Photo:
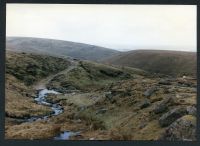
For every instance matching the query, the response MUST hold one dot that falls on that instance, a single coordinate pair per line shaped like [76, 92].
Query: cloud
[121, 27]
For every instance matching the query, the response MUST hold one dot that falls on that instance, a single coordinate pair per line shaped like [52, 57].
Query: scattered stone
[156, 99]
[186, 83]
[109, 96]
[145, 103]
[164, 82]
[169, 100]
[192, 110]
[73, 93]
[101, 111]
[150, 91]
[171, 116]
[194, 90]
[78, 121]
[160, 108]
[82, 108]
[172, 89]
[142, 125]
[183, 129]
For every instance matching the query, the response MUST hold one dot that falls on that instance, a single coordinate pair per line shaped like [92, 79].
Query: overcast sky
[121, 27]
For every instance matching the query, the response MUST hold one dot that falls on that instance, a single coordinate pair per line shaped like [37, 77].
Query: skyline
[127, 27]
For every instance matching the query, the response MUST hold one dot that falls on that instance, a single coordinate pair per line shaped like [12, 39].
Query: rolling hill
[58, 48]
[175, 63]
[95, 101]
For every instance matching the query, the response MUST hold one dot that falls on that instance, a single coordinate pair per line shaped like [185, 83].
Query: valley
[65, 98]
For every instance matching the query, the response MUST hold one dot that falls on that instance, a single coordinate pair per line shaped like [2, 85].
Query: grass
[120, 120]
[36, 130]
[19, 102]
[29, 68]
[173, 63]
[89, 76]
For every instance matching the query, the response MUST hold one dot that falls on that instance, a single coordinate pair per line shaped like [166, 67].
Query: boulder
[164, 82]
[82, 108]
[192, 110]
[109, 96]
[101, 111]
[150, 91]
[163, 105]
[186, 83]
[171, 116]
[169, 100]
[183, 128]
[160, 108]
[145, 103]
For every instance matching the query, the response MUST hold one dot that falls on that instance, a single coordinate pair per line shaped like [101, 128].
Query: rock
[182, 129]
[150, 91]
[82, 108]
[70, 88]
[186, 83]
[160, 108]
[155, 99]
[78, 121]
[192, 110]
[163, 105]
[142, 125]
[169, 100]
[109, 96]
[101, 111]
[193, 90]
[171, 116]
[145, 103]
[164, 82]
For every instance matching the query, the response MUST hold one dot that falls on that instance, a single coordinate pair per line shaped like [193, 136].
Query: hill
[94, 101]
[175, 63]
[29, 67]
[22, 71]
[58, 48]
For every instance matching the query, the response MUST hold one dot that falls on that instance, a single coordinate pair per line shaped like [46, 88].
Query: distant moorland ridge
[58, 48]
[175, 63]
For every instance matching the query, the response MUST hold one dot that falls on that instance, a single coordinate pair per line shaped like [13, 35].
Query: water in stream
[40, 99]
[57, 109]
[66, 135]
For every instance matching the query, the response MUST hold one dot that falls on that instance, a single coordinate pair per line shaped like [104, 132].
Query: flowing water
[56, 108]
[66, 135]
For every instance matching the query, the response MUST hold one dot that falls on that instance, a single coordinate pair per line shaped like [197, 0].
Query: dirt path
[42, 83]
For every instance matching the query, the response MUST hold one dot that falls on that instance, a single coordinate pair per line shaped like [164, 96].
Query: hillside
[175, 63]
[29, 68]
[22, 71]
[58, 48]
[93, 101]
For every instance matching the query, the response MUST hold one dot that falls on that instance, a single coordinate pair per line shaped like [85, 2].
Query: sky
[120, 27]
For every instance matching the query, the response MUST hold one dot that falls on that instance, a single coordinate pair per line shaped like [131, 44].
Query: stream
[56, 108]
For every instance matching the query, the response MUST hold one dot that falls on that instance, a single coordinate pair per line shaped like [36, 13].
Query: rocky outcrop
[182, 129]
[171, 116]
[163, 105]
[192, 110]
